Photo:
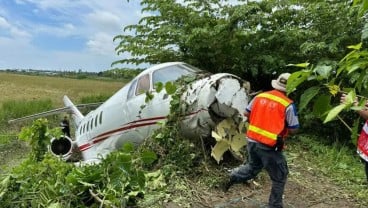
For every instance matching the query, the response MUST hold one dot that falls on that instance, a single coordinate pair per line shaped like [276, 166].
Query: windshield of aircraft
[172, 73]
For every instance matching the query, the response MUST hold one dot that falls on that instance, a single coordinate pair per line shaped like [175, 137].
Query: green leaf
[356, 47]
[323, 70]
[350, 98]
[159, 86]
[307, 96]
[149, 97]
[125, 161]
[128, 147]
[302, 65]
[139, 178]
[358, 64]
[148, 157]
[321, 105]
[296, 79]
[334, 112]
[170, 88]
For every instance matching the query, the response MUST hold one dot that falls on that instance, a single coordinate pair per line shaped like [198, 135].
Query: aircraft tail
[76, 114]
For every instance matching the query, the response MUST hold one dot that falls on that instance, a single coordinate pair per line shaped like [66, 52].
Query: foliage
[252, 39]
[327, 82]
[363, 6]
[38, 137]
[118, 181]
[324, 82]
[121, 73]
[176, 153]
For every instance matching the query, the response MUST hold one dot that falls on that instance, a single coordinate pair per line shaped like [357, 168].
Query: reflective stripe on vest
[262, 132]
[263, 126]
[275, 98]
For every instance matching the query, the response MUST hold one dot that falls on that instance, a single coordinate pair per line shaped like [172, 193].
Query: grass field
[21, 89]
[25, 87]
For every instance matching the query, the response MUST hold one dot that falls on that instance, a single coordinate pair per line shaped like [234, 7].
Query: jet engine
[62, 147]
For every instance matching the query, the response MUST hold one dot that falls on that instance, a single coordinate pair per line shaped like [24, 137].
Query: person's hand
[343, 100]
[279, 146]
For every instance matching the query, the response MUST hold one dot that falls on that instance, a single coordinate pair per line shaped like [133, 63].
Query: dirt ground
[304, 189]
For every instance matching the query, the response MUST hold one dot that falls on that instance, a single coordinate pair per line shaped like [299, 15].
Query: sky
[63, 35]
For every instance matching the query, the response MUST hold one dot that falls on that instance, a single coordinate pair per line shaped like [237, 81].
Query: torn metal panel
[220, 102]
[228, 136]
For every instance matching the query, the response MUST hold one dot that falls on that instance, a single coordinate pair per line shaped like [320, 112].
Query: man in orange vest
[272, 116]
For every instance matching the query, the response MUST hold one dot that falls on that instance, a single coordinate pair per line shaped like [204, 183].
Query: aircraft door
[136, 108]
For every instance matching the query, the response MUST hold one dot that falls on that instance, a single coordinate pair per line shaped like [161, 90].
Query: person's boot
[227, 184]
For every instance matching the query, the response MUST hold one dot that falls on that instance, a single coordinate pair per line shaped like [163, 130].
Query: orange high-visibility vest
[267, 117]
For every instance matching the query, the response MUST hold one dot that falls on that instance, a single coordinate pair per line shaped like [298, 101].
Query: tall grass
[24, 87]
[15, 109]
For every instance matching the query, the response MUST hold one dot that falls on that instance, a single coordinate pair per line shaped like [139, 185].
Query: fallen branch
[102, 201]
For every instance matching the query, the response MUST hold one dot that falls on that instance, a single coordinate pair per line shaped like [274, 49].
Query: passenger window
[92, 124]
[101, 117]
[143, 85]
[96, 120]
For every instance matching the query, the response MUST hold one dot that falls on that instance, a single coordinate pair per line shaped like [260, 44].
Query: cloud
[101, 43]
[11, 30]
[103, 21]
[3, 23]
[59, 5]
[25, 25]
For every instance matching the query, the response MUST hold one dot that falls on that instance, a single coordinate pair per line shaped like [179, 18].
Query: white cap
[280, 82]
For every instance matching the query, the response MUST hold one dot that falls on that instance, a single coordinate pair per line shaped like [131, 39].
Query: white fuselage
[126, 117]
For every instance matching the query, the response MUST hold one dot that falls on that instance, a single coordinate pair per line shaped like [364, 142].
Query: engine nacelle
[62, 147]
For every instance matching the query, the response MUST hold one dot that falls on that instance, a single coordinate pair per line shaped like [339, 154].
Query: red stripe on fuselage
[127, 126]
[130, 125]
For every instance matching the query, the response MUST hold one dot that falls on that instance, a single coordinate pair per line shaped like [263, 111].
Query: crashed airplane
[214, 108]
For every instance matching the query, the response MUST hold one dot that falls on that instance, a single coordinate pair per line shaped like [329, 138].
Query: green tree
[326, 82]
[251, 39]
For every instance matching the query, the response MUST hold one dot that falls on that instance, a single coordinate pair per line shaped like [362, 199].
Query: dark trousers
[259, 157]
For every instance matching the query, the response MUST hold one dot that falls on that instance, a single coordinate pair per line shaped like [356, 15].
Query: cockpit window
[143, 85]
[131, 89]
[172, 73]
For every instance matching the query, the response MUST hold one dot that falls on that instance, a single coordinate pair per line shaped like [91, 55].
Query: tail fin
[76, 114]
